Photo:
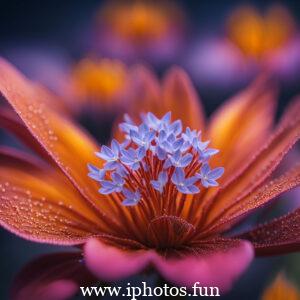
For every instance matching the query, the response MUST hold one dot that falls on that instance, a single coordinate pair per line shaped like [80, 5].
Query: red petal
[180, 97]
[145, 93]
[259, 168]
[279, 236]
[255, 199]
[231, 127]
[51, 277]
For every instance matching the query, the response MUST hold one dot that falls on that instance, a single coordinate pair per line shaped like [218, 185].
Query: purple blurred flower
[254, 43]
[141, 30]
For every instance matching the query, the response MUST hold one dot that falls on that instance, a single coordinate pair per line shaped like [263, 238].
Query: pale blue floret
[175, 128]
[184, 185]
[155, 123]
[128, 125]
[110, 155]
[178, 160]
[192, 138]
[96, 173]
[206, 154]
[143, 136]
[160, 152]
[116, 185]
[208, 177]
[131, 198]
[161, 181]
[171, 144]
[133, 157]
[175, 149]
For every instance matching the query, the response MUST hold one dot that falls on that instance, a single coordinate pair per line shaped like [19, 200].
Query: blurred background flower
[139, 30]
[281, 288]
[254, 40]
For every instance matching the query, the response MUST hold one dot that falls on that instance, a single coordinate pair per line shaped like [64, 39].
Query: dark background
[58, 23]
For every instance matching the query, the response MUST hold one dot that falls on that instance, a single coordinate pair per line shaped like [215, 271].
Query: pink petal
[57, 290]
[110, 264]
[51, 277]
[219, 269]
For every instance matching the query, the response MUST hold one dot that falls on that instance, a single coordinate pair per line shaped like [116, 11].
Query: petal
[193, 189]
[180, 97]
[69, 146]
[129, 202]
[259, 197]
[10, 121]
[276, 237]
[259, 168]
[51, 277]
[145, 96]
[40, 204]
[218, 269]
[231, 128]
[111, 264]
[183, 189]
[178, 176]
[216, 173]
[145, 93]
[106, 153]
[185, 160]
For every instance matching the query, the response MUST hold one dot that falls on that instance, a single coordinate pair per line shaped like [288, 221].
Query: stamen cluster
[156, 160]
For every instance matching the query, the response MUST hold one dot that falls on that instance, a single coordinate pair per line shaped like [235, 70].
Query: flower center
[101, 80]
[157, 169]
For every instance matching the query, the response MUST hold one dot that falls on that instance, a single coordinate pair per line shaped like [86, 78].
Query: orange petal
[240, 126]
[40, 204]
[180, 97]
[259, 168]
[256, 199]
[68, 145]
[281, 289]
[145, 96]
[276, 237]
[10, 121]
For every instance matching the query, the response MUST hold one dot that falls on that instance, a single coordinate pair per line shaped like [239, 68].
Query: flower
[87, 86]
[256, 34]
[281, 288]
[99, 83]
[137, 167]
[139, 30]
[254, 43]
[50, 198]
[208, 176]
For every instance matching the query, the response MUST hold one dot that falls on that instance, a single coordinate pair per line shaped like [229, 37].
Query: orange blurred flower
[281, 289]
[49, 198]
[99, 84]
[257, 35]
